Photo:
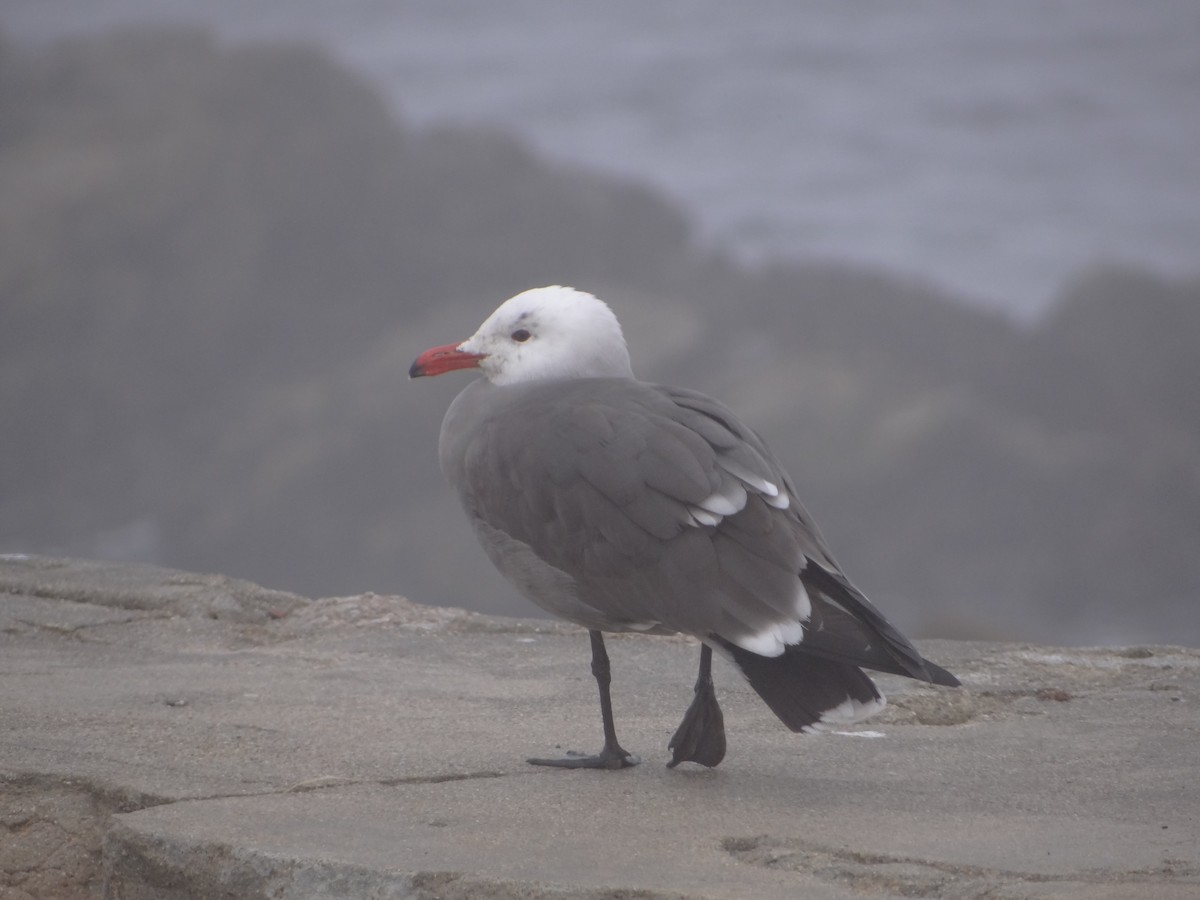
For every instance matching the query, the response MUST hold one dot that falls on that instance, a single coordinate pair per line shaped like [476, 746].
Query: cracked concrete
[168, 735]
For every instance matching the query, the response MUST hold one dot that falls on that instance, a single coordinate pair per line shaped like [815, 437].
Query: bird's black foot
[612, 756]
[608, 758]
[700, 737]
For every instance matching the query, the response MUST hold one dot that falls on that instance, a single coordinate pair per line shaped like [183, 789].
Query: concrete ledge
[169, 735]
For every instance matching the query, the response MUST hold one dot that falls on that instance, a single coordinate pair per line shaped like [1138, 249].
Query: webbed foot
[700, 737]
[608, 758]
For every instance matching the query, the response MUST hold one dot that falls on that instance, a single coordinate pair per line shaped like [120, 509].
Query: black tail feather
[798, 687]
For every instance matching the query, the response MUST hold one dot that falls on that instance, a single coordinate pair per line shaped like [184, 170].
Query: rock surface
[169, 735]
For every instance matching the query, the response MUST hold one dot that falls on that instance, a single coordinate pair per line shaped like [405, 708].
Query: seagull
[624, 506]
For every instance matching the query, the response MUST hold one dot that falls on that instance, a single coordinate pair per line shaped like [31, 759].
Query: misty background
[943, 256]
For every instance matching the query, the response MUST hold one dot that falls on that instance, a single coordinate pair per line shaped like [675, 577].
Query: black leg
[612, 756]
[701, 736]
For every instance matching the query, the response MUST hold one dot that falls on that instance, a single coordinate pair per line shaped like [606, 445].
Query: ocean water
[996, 148]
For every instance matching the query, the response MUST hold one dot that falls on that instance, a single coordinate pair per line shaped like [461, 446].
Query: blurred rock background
[217, 261]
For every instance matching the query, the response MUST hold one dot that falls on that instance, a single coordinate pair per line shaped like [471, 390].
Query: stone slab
[372, 747]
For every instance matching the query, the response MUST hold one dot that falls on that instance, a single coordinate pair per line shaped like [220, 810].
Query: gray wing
[843, 625]
[654, 508]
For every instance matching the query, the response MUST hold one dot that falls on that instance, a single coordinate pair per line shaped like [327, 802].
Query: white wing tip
[703, 517]
[773, 639]
[768, 490]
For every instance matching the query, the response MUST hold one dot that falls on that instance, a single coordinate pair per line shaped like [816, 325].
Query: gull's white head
[545, 333]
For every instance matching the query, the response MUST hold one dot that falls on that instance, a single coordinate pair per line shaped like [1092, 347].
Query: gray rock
[371, 747]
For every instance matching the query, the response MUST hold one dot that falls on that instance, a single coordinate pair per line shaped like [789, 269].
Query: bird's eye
[521, 335]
